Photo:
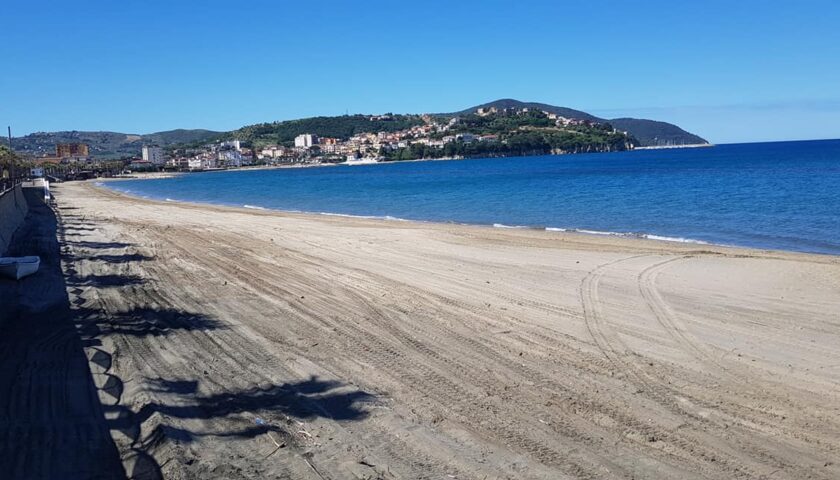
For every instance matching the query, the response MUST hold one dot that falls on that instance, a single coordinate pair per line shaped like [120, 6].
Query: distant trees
[342, 127]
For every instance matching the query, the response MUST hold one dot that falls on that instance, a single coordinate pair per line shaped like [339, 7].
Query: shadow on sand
[50, 344]
[49, 396]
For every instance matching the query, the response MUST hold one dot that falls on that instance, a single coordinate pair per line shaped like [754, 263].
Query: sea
[780, 195]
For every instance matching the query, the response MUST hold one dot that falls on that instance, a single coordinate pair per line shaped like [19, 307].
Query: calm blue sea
[783, 195]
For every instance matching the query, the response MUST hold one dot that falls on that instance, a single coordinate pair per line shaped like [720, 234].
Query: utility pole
[12, 165]
[11, 156]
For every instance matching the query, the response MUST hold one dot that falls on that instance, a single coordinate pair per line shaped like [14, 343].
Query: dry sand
[376, 349]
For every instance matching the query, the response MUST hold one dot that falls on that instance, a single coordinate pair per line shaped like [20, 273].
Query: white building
[153, 154]
[234, 144]
[230, 158]
[306, 140]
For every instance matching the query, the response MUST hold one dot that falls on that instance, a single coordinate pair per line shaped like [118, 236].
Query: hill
[647, 132]
[652, 132]
[516, 104]
[114, 144]
[180, 136]
[343, 127]
[108, 144]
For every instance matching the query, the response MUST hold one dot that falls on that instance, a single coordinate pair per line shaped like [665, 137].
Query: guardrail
[7, 184]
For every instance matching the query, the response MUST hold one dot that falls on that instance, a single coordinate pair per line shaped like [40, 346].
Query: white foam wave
[501, 225]
[253, 207]
[598, 232]
[675, 239]
[649, 236]
[367, 217]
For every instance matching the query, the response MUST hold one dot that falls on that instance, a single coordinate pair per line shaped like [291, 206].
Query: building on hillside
[272, 151]
[65, 150]
[230, 158]
[234, 144]
[141, 165]
[153, 154]
[191, 163]
[306, 140]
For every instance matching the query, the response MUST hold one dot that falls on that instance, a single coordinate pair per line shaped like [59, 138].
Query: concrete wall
[13, 209]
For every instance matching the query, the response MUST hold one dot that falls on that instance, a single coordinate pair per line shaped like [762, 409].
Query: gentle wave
[254, 207]
[648, 236]
[675, 239]
[366, 217]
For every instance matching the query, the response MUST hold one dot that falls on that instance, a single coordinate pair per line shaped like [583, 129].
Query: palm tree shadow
[306, 399]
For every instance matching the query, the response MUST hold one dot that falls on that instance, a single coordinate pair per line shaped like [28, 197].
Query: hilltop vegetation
[108, 144]
[510, 133]
[284, 133]
[647, 132]
[651, 132]
[509, 103]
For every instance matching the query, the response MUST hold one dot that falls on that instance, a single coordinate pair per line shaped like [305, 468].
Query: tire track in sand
[737, 424]
[678, 330]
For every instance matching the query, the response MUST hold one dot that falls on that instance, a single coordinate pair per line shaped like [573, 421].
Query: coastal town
[425, 136]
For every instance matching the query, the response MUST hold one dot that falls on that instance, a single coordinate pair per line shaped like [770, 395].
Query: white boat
[18, 267]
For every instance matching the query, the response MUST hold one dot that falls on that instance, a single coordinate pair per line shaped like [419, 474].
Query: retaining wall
[13, 209]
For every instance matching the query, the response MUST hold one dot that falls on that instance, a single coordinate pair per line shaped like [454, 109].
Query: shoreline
[642, 236]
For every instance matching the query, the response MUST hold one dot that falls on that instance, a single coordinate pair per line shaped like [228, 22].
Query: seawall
[13, 209]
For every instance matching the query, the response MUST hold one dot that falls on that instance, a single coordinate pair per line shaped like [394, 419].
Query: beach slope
[232, 343]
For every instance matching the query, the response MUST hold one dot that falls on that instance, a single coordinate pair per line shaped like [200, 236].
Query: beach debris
[259, 421]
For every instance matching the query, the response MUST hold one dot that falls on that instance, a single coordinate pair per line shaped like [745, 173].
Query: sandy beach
[234, 343]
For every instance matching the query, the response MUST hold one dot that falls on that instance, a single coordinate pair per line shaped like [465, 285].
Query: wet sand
[234, 343]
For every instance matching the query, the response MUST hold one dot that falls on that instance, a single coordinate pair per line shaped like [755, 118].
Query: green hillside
[115, 144]
[339, 127]
[108, 144]
[647, 132]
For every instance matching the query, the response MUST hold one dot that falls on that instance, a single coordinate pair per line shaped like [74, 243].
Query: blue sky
[728, 71]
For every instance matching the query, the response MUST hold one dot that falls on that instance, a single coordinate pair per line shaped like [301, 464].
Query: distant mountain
[114, 144]
[516, 104]
[652, 132]
[647, 132]
[180, 136]
[108, 144]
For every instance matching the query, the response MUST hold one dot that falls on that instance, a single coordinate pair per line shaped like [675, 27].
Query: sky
[728, 71]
